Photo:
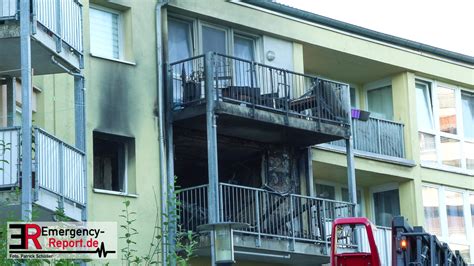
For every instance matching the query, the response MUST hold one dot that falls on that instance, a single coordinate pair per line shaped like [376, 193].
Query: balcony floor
[255, 124]
[43, 47]
[270, 251]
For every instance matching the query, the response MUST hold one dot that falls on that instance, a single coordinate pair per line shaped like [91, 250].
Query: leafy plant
[185, 243]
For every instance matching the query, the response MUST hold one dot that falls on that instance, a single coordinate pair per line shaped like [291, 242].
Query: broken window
[110, 157]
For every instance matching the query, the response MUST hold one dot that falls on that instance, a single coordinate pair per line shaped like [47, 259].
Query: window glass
[213, 40]
[431, 210]
[428, 148]
[469, 153]
[345, 197]
[447, 110]
[386, 205]
[353, 97]
[468, 114]
[325, 192]
[104, 30]
[455, 214]
[451, 152]
[423, 106]
[179, 40]
[380, 102]
[471, 199]
[244, 48]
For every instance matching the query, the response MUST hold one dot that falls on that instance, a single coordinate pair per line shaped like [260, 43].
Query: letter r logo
[27, 232]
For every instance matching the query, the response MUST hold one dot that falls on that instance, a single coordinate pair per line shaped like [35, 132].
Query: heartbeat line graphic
[101, 251]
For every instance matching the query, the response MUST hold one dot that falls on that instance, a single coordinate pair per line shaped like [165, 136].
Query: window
[447, 110]
[179, 40]
[110, 162]
[380, 102]
[449, 214]
[353, 97]
[244, 48]
[424, 106]
[455, 214]
[345, 197]
[105, 32]
[325, 191]
[431, 210]
[386, 206]
[445, 116]
[214, 40]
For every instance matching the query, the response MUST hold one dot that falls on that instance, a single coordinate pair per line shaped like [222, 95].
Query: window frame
[120, 29]
[433, 86]
[443, 216]
[193, 27]
[226, 30]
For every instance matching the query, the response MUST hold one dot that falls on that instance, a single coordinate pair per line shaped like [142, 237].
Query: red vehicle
[344, 251]
[353, 244]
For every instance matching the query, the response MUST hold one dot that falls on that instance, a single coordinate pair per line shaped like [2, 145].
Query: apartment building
[267, 91]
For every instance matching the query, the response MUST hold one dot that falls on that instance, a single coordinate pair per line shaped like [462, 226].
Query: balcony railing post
[324, 229]
[379, 143]
[292, 214]
[62, 182]
[58, 26]
[37, 163]
[257, 216]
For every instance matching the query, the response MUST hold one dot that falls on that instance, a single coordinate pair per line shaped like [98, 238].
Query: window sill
[114, 59]
[114, 193]
[447, 169]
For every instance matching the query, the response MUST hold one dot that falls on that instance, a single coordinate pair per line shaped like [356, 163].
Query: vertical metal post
[309, 171]
[25, 41]
[80, 129]
[292, 211]
[58, 26]
[257, 218]
[62, 182]
[213, 193]
[11, 102]
[351, 179]
[79, 112]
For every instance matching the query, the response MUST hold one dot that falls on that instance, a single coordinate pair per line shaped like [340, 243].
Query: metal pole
[351, 179]
[213, 192]
[25, 41]
[79, 112]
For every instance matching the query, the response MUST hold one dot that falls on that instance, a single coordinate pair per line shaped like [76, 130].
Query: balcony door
[386, 204]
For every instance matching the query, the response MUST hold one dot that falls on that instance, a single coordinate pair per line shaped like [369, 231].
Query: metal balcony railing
[377, 136]
[59, 167]
[260, 86]
[295, 218]
[60, 18]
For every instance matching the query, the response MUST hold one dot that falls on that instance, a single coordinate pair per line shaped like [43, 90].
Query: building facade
[267, 91]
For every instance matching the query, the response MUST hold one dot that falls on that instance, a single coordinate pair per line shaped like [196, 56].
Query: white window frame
[120, 31]
[443, 216]
[382, 188]
[433, 86]
[192, 28]
[228, 37]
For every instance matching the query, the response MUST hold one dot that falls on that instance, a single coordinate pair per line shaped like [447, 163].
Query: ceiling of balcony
[345, 67]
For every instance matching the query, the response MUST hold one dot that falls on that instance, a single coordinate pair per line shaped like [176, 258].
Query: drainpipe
[161, 127]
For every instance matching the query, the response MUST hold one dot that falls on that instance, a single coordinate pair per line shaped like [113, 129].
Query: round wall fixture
[270, 55]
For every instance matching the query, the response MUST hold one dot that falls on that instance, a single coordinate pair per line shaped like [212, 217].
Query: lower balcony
[58, 174]
[281, 226]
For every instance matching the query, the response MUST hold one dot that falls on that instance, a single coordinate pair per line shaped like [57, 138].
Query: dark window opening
[109, 162]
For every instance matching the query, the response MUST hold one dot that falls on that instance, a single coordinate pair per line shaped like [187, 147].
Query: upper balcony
[56, 32]
[259, 102]
[58, 173]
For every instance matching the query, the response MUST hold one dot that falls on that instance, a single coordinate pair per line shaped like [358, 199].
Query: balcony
[58, 175]
[280, 225]
[375, 138]
[258, 102]
[56, 32]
